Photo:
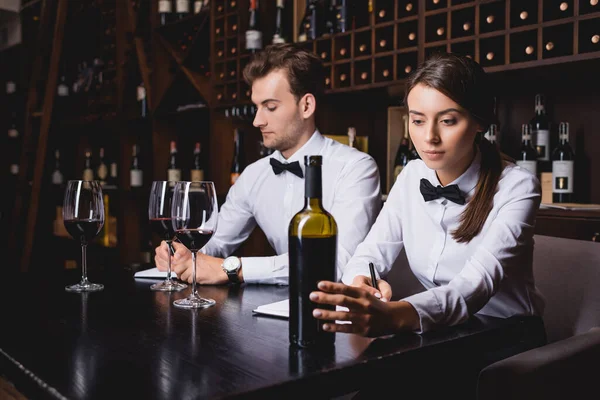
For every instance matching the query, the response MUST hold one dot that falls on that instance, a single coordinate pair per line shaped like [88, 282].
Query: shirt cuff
[425, 303]
[270, 270]
[352, 271]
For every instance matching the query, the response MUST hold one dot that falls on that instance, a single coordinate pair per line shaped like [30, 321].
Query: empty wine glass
[83, 215]
[159, 214]
[195, 213]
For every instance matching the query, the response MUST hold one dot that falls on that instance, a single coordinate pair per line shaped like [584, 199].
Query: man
[287, 83]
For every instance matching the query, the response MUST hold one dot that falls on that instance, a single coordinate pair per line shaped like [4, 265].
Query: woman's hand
[385, 290]
[369, 316]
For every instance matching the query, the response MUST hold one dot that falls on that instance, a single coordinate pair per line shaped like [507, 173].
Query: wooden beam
[32, 98]
[40, 159]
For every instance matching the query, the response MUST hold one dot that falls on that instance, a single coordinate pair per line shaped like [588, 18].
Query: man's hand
[208, 269]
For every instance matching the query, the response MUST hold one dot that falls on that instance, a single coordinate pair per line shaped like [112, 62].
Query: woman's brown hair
[466, 83]
[305, 70]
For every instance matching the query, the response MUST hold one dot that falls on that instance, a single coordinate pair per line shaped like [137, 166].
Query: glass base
[84, 286]
[194, 302]
[168, 286]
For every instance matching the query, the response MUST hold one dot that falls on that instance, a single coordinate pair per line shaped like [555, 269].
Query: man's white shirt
[351, 193]
[460, 277]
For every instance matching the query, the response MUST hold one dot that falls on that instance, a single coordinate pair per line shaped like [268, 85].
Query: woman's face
[442, 131]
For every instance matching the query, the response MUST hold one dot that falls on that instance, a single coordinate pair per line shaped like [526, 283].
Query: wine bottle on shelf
[528, 155]
[141, 99]
[136, 175]
[165, 10]
[492, 134]
[563, 167]
[331, 18]
[312, 242]
[197, 173]
[63, 88]
[88, 172]
[182, 8]
[11, 87]
[342, 19]
[238, 164]
[352, 137]
[403, 156]
[540, 129]
[198, 6]
[278, 36]
[253, 34]
[112, 176]
[173, 170]
[102, 170]
[314, 28]
[13, 130]
[58, 191]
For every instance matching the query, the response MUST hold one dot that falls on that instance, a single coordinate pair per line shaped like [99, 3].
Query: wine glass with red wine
[159, 214]
[195, 213]
[83, 215]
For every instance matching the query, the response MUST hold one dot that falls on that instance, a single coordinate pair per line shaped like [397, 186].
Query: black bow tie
[451, 192]
[293, 167]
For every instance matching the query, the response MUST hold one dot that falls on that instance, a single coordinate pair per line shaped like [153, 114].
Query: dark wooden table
[130, 342]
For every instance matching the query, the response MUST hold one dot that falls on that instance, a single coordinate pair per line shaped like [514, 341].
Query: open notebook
[282, 309]
[153, 273]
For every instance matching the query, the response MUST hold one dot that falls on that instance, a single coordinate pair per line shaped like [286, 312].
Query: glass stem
[171, 252]
[194, 293]
[84, 263]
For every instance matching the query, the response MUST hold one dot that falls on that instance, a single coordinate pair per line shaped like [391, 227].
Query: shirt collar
[467, 181]
[313, 146]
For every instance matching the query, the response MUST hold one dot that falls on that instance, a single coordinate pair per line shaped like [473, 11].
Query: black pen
[373, 278]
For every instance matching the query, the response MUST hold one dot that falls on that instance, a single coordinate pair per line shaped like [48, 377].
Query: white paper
[154, 273]
[282, 309]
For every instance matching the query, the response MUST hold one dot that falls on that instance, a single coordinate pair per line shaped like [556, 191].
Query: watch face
[231, 264]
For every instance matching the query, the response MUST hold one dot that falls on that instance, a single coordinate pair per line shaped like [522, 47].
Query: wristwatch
[231, 266]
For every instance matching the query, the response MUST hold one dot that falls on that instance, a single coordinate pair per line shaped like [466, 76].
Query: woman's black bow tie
[450, 192]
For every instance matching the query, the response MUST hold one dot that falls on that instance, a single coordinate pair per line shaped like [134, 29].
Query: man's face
[278, 114]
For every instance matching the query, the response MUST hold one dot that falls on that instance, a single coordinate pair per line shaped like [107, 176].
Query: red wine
[193, 239]
[163, 227]
[83, 229]
[311, 261]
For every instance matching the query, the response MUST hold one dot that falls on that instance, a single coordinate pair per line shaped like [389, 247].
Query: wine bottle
[182, 8]
[88, 172]
[253, 34]
[312, 245]
[403, 156]
[197, 173]
[492, 134]
[173, 170]
[352, 137]
[112, 176]
[13, 130]
[238, 164]
[342, 20]
[563, 163]
[528, 155]
[102, 170]
[58, 191]
[540, 129]
[11, 88]
[141, 99]
[136, 175]
[314, 29]
[278, 37]
[331, 18]
[165, 10]
[198, 6]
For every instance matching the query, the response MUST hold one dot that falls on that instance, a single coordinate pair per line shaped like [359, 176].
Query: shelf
[204, 13]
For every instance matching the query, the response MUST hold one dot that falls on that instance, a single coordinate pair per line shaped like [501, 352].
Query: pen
[373, 278]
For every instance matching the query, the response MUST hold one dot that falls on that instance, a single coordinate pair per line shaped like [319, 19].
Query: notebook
[153, 273]
[282, 309]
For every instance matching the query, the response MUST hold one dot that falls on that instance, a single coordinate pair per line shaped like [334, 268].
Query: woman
[464, 215]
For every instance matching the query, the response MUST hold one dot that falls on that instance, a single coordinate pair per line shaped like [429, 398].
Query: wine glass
[159, 214]
[83, 215]
[195, 213]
